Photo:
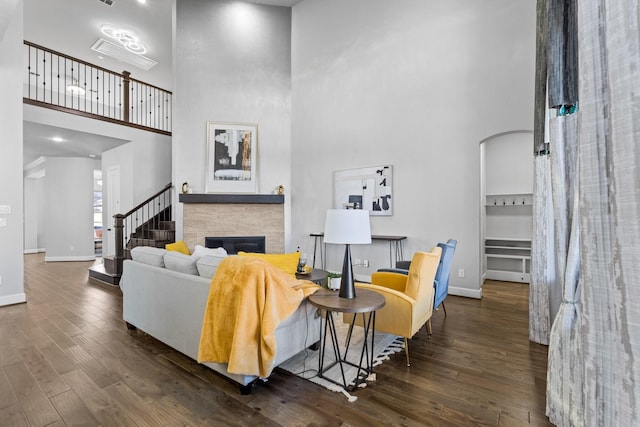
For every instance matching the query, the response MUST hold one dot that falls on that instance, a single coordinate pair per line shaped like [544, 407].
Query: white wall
[232, 64]
[32, 211]
[69, 206]
[509, 163]
[11, 180]
[417, 87]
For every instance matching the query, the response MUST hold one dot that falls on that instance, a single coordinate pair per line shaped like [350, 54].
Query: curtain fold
[565, 401]
[609, 34]
[543, 262]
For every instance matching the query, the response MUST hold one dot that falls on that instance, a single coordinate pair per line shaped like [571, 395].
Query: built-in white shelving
[507, 211]
[508, 259]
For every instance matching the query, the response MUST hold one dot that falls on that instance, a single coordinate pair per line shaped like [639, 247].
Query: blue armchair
[441, 281]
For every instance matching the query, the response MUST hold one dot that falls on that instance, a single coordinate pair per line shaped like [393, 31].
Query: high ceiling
[72, 27]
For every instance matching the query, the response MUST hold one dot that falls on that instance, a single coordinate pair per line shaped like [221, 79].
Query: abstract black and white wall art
[364, 188]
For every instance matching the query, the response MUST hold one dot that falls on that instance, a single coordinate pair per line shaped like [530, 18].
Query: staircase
[148, 224]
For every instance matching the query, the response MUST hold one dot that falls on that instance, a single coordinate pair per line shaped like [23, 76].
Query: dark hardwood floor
[66, 358]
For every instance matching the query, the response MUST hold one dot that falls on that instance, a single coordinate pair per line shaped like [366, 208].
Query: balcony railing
[61, 82]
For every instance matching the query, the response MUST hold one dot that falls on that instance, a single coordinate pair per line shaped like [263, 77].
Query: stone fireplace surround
[230, 215]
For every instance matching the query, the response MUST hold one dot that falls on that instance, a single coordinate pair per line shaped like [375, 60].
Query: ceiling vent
[107, 2]
[105, 47]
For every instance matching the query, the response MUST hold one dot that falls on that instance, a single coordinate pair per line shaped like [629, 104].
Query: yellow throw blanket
[248, 298]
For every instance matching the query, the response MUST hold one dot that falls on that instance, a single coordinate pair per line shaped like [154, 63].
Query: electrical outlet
[461, 272]
[365, 263]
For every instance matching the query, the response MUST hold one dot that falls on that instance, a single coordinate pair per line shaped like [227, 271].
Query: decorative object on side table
[334, 281]
[347, 227]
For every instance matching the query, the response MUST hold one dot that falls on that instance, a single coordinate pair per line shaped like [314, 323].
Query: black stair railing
[144, 225]
[64, 83]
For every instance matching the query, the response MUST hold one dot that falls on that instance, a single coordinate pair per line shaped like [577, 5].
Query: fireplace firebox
[235, 244]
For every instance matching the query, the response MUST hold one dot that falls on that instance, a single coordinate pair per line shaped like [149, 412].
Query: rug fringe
[334, 387]
[396, 346]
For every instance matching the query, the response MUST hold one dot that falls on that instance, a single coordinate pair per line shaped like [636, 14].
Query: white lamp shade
[347, 226]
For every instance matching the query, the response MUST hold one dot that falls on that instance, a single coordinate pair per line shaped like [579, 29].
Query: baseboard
[465, 292]
[69, 258]
[13, 299]
[34, 251]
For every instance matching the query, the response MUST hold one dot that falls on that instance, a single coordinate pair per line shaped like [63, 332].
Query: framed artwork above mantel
[231, 157]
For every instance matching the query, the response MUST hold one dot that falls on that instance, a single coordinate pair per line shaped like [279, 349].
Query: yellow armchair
[409, 297]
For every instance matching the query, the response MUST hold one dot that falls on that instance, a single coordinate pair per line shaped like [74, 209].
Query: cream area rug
[305, 363]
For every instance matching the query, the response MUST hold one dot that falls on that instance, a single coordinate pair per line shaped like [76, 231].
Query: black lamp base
[347, 287]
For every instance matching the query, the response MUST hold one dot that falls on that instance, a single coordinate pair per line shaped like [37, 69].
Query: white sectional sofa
[165, 294]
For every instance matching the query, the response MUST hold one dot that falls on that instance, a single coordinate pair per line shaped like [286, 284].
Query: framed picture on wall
[364, 188]
[231, 158]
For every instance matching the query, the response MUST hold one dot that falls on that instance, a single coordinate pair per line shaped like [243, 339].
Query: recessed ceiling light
[93, 156]
[142, 1]
[57, 139]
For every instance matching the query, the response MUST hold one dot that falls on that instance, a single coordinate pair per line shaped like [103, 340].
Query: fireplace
[235, 244]
[206, 215]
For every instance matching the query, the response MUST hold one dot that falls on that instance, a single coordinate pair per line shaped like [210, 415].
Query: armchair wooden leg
[429, 329]
[444, 309]
[406, 350]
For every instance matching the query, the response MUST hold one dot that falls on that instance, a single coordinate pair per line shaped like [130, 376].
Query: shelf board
[522, 248]
[508, 239]
[520, 257]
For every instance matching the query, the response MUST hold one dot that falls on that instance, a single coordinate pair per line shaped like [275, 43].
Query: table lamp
[347, 227]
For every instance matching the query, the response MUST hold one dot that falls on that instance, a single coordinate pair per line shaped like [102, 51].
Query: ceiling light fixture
[57, 139]
[118, 52]
[142, 1]
[75, 89]
[127, 39]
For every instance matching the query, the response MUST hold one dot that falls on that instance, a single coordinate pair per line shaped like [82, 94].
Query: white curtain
[609, 129]
[593, 376]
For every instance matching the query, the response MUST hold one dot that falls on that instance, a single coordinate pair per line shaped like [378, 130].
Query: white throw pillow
[201, 251]
[180, 262]
[148, 255]
[208, 264]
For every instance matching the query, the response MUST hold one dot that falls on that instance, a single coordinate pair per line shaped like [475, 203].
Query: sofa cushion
[208, 264]
[148, 255]
[180, 262]
[202, 251]
[286, 262]
[179, 246]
